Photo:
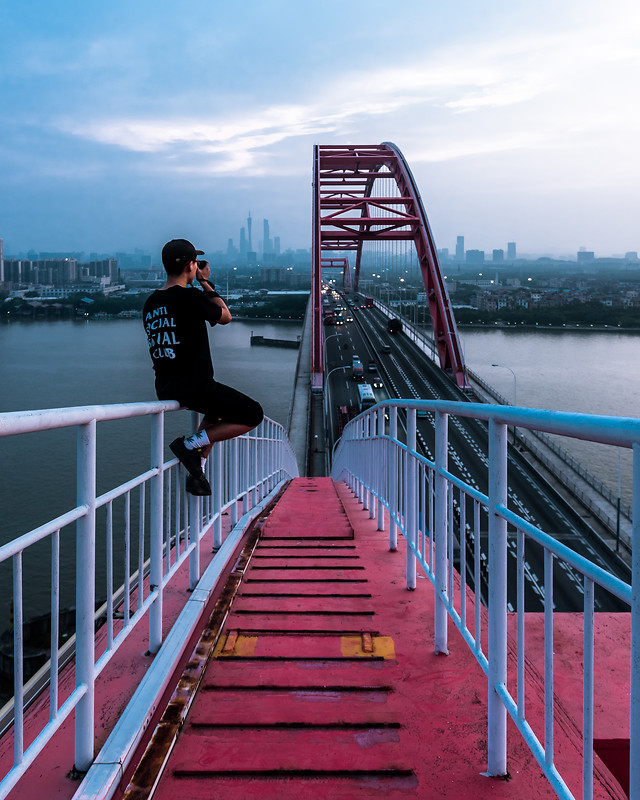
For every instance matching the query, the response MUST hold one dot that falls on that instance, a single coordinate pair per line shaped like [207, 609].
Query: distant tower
[511, 251]
[276, 245]
[249, 232]
[243, 242]
[460, 248]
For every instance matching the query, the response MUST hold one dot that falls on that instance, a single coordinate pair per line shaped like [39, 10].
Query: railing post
[156, 534]
[245, 471]
[382, 470]
[364, 468]
[233, 474]
[440, 533]
[234, 467]
[393, 477]
[253, 447]
[634, 776]
[85, 594]
[410, 486]
[359, 461]
[217, 495]
[497, 655]
[260, 461]
[195, 520]
[371, 432]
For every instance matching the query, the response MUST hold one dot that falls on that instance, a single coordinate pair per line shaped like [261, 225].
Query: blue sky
[132, 122]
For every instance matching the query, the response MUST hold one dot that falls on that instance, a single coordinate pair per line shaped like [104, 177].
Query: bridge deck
[324, 682]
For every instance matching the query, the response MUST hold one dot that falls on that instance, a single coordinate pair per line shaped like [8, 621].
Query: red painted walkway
[324, 684]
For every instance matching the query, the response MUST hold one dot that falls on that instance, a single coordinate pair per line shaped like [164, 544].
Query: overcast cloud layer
[129, 124]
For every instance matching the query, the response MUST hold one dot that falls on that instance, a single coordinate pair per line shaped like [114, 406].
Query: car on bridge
[357, 370]
[376, 381]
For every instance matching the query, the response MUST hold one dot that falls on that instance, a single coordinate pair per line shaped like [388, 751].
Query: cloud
[555, 80]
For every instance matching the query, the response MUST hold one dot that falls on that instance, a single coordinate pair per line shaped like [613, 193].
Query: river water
[590, 372]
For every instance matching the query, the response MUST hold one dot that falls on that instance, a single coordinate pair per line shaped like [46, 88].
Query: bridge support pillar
[497, 713]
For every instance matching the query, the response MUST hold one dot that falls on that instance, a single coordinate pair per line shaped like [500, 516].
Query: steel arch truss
[346, 213]
[336, 263]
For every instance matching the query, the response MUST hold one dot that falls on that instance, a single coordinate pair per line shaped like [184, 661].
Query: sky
[126, 124]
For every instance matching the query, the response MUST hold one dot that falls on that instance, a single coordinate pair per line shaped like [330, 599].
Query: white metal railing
[429, 506]
[169, 530]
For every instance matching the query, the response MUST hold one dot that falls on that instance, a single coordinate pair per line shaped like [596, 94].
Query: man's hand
[203, 271]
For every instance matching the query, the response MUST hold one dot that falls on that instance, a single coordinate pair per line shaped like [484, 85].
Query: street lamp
[327, 392]
[515, 392]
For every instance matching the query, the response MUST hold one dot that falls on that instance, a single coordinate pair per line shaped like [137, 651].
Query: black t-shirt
[175, 321]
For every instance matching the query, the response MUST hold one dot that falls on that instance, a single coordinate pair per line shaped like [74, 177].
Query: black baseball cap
[179, 251]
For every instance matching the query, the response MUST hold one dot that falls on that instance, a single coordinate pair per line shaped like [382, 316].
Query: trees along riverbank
[570, 315]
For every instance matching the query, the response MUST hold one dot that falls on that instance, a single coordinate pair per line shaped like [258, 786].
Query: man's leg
[220, 431]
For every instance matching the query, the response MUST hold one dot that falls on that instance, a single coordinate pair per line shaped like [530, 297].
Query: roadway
[405, 372]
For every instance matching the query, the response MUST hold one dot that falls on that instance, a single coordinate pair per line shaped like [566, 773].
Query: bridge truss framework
[347, 213]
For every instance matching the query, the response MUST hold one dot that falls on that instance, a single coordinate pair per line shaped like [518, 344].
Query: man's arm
[202, 274]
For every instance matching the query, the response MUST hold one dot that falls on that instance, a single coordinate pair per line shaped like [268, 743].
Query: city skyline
[131, 124]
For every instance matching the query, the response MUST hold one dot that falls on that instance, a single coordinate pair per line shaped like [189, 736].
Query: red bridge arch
[344, 208]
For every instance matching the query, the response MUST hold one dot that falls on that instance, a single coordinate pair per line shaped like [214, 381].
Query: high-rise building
[460, 248]
[249, 246]
[474, 256]
[511, 251]
[266, 240]
[276, 245]
[243, 242]
[498, 256]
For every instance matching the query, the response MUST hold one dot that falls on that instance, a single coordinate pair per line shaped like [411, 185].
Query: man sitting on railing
[175, 320]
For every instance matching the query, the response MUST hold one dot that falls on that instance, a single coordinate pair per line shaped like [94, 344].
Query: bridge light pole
[515, 392]
[328, 390]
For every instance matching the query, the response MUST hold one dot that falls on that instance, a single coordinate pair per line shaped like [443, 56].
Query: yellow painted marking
[382, 646]
[245, 646]
[232, 637]
[239, 645]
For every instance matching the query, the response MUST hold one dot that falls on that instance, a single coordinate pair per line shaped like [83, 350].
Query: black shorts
[221, 403]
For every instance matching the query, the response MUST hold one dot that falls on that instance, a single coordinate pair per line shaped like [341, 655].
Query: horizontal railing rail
[432, 509]
[157, 529]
